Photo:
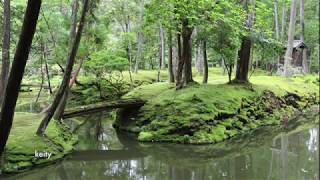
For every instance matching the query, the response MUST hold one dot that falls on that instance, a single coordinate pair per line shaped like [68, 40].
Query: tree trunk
[41, 70]
[162, 48]
[67, 75]
[200, 58]
[224, 67]
[187, 51]
[205, 63]
[62, 104]
[74, 13]
[243, 62]
[283, 19]
[140, 39]
[276, 17]
[48, 75]
[245, 50]
[291, 30]
[17, 70]
[170, 60]
[179, 81]
[305, 66]
[5, 49]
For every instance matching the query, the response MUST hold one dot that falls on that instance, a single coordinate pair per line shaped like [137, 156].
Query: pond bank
[201, 114]
[25, 149]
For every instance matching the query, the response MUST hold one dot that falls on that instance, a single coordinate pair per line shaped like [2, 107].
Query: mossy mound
[23, 143]
[201, 114]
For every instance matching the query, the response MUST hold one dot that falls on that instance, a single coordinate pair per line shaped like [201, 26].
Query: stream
[103, 153]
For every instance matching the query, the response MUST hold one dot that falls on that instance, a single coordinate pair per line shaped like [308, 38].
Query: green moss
[215, 112]
[23, 142]
[145, 136]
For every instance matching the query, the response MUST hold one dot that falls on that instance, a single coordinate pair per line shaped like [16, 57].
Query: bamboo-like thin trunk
[288, 55]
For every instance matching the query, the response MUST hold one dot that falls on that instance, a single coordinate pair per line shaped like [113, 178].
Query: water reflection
[293, 155]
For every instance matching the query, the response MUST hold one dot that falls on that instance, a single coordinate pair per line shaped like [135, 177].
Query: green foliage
[106, 61]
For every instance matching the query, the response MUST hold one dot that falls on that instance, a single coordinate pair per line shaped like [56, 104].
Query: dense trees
[181, 38]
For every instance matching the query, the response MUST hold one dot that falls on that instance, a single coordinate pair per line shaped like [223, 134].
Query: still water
[265, 154]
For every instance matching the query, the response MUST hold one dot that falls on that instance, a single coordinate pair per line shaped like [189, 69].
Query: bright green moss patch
[23, 143]
[212, 113]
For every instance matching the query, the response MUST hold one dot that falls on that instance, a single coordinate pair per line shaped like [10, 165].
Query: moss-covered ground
[23, 143]
[217, 111]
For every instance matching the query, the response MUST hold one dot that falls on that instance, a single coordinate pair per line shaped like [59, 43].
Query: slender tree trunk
[224, 67]
[5, 49]
[140, 39]
[276, 17]
[162, 48]
[170, 60]
[205, 63]
[48, 76]
[41, 68]
[17, 70]
[73, 31]
[62, 105]
[74, 13]
[179, 81]
[283, 19]
[200, 58]
[42, 74]
[288, 55]
[305, 65]
[66, 78]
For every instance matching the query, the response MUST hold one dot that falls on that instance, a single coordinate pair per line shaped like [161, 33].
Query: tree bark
[179, 81]
[5, 49]
[187, 51]
[305, 66]
[48, 76]
[200, 58]
[63, 102]
[242, 69]
[140, 39]
[170, 60]
[291, 30]
[243, 62]
[276, 17]
[162, 48]
[74, 15]
[66, 78]
[205, 63]
[283, 19]
[17, 70]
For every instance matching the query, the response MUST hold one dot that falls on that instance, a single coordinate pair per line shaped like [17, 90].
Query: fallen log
[90, 109]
